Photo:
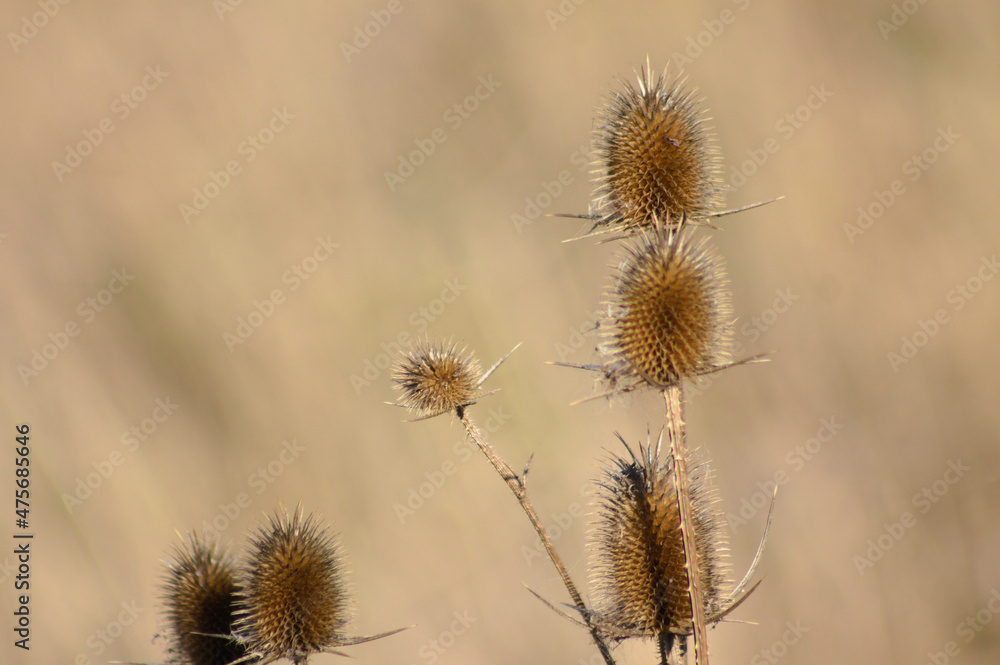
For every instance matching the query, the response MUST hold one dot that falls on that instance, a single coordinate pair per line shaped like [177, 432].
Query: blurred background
[220, 220]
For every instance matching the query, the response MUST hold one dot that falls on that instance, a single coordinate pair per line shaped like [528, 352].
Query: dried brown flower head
[668, 313]
[638, 569]
[294, 600]
[440, 377]
[200, 592]
[655, 157]
[437, 377]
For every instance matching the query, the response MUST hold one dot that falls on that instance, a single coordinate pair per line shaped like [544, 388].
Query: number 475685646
[22, 461]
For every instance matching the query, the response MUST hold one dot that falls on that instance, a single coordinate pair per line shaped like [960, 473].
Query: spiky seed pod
[199, 595]
[655, 156]
[437, 377]
[668, 313]
[638, 573]
[294, 601]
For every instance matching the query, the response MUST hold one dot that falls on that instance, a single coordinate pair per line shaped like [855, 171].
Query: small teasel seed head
[638, 570]
[668, 313]
[655, 158]
[437, 377]
[199, 593]
[294, 601]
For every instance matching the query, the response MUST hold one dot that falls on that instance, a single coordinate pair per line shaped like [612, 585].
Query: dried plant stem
[517, 486]
[674, 399]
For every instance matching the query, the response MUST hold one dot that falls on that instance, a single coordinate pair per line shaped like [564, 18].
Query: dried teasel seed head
[638, 572]
[437, 377]
[668, 313]
[655, 159]
[200, 592]
[294, 601]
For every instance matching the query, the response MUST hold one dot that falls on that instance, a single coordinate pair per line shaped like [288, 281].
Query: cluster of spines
[638, 566]
[200, 592]
[288, 600]
[294, 601]
[655, 157]
[437, 377]
[668, 313]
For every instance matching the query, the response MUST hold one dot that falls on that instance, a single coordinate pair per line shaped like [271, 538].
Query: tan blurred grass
[451, 220]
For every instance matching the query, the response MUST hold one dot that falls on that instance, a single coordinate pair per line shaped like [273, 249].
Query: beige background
[323, 175]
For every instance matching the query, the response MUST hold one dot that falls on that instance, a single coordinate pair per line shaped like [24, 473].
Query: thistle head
[294, 601]
[668, 313]
[437, 377]
[638, 567]
[440, 377]
[200, 593]
[655, 159]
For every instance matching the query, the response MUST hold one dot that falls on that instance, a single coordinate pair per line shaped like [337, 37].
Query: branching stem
[516, 484]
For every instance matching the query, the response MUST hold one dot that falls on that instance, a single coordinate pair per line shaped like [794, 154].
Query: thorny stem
[674, 399]
[517, 487]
